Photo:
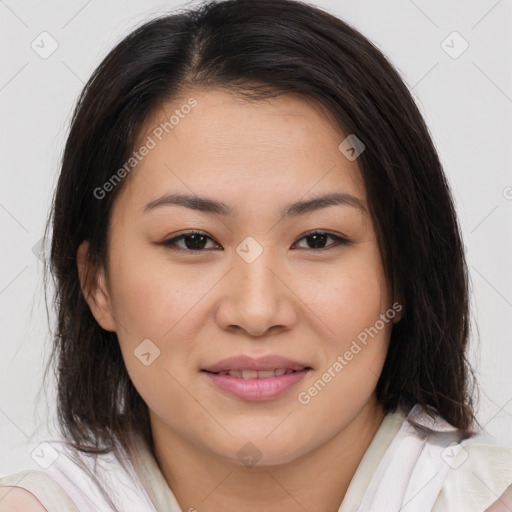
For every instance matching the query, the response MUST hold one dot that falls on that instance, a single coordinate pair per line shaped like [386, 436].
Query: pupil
[199, 239]
[319, 237]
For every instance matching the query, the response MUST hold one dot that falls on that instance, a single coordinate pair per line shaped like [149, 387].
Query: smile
[255, 374]
[253, 385]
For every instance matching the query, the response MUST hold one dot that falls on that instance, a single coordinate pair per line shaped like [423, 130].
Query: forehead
[225, 145]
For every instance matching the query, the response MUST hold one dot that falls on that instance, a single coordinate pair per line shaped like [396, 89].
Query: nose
[256, 297]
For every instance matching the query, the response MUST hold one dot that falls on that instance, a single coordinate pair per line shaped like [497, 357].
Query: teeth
[253, 374]
[249, 374]
[263, 374]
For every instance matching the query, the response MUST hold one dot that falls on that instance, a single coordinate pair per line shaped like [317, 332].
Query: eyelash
[171, 243]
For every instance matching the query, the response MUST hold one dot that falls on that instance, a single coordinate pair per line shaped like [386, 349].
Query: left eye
[317, 239]
[197, 240]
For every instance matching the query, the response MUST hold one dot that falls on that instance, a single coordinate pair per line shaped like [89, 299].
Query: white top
[405, 469]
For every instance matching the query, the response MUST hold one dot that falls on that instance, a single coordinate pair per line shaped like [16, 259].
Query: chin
[261, 450]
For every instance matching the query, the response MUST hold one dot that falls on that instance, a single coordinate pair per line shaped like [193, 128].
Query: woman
[260, 282]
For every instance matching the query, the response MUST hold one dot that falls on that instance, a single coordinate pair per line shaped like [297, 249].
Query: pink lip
[270, 362]
[256, 389]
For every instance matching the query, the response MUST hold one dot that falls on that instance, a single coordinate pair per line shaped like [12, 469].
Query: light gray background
[467, 102]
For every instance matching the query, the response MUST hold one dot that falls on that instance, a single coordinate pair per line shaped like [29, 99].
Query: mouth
[259, 374]
[256, 385]
[255, 378]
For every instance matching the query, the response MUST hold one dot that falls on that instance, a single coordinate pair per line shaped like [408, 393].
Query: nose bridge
[257, 297]
[253, 268]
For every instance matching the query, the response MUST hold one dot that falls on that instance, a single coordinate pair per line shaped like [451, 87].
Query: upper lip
[243, 362]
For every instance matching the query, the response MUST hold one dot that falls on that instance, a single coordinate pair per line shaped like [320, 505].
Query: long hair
[261, 49]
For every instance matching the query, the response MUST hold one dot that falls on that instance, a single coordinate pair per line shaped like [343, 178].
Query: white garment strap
[124, 489]
[412, 471]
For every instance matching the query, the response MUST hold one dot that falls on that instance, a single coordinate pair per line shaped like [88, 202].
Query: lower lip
[256, 389]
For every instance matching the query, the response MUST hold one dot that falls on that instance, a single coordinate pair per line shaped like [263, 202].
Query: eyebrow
[213, 207]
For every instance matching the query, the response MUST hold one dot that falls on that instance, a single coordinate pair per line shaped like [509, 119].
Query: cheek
[151, 294]
[151, 301]
[356, 344]
[352, 294]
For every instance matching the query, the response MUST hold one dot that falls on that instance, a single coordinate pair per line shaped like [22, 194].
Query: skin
[294, 300]
[504, 503]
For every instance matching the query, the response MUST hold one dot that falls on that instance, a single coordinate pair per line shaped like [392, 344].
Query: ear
[94, 288]
[399, 308]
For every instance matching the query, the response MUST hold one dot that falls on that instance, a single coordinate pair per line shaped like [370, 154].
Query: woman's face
[253, 283]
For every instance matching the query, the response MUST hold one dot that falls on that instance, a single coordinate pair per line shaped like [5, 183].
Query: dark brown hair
[261, 49]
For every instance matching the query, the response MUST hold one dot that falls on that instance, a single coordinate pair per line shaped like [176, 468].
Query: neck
[203, 481]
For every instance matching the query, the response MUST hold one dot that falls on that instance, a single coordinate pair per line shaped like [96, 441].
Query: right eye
[193, 240]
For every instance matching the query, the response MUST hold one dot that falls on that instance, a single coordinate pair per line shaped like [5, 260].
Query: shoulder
[16, 499]
[488, 463]
[479, 474]
[472, 474]
[31, 491]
